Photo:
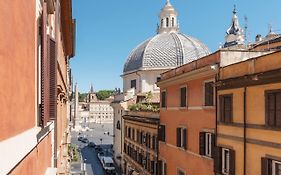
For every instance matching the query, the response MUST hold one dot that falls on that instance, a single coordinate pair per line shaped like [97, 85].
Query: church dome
[168, 49]
[165, 50]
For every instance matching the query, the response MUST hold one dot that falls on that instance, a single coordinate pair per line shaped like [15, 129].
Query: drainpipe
[217, 77]
[55, 121]
[244, 127]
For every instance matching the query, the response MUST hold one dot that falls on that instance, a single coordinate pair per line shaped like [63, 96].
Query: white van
[108, 164]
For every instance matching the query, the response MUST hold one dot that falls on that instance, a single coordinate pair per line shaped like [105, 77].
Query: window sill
[183, 108]
[208, 107]
[207, 157]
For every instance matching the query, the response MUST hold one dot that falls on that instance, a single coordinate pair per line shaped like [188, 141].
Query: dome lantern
[168, 19]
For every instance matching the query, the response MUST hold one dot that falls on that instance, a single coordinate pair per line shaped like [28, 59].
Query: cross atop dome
[168, 19]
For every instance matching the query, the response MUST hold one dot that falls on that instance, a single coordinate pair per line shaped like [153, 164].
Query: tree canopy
[104, 94]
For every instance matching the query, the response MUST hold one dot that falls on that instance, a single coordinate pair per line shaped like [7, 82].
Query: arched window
[118, 125]
[162, 22]
[167, 22]
[173, 21]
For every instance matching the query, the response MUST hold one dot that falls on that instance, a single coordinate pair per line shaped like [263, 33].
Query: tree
[104, 94]
[82, 96]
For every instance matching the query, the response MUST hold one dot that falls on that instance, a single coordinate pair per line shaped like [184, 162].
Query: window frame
[274, 163]
[181, 141]
[225, 170]
[208, 144]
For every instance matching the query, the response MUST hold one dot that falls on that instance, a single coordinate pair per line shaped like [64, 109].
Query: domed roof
[164, 51]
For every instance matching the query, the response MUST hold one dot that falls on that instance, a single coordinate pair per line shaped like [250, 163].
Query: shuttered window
[273, 108]
[209, 94]
[183, 97]
[224, 161]
[182, 138]
[162, 133]
[206, 144]
[163, 99]
[53, 78]
[270, 167]
[226, 108]
[162, 168]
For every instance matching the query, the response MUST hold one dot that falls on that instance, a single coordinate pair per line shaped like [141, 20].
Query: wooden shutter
[202, 138]
[209, 94]
[270, 117]
[152, 167]
[185, 138]
[178, 137]
[183, 97]
[222, 119]
[278, 109]
[266, 166]
[213, 145]
[161, 133]
[228, 108]
[218, 160]
[160, 167]
[163, 99]
[231, 162]
[53, 78]
[44, 70]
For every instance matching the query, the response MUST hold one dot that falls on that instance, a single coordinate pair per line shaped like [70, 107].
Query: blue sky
[107, 30]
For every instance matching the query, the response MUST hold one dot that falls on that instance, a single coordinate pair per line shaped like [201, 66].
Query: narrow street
[97, 133]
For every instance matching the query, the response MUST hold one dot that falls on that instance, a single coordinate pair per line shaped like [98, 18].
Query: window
[182, 138]
[162, 167]
[167, 22]
[226, 108]
[209, 94]
[224, 161]
[158, 79]
[134, 84]
[173, 22]
[183, 97]
[180, 172]
[273, 108]
[163, 99]
[162, 133]
[270, 167]
[162, 22]
[206, 143]
[118, 125]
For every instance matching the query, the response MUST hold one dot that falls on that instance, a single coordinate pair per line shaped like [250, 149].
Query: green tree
[104, 94]
[82, 96]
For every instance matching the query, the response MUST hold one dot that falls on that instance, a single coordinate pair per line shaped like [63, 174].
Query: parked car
[108, 164]
[92, 144]
[80, 139]
[98, 148]
[85, 140]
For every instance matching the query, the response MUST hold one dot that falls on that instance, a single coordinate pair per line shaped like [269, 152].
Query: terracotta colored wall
[17, 67]
[37, 161]
[255, 115]
[195, 120]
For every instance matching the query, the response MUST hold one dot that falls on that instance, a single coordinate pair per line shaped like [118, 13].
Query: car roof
[107, 160]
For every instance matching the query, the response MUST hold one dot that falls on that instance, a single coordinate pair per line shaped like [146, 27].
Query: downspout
[217, 77]
[244, 127]
[55, 121]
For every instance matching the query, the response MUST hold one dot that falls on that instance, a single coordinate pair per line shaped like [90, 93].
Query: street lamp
[101, 141]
